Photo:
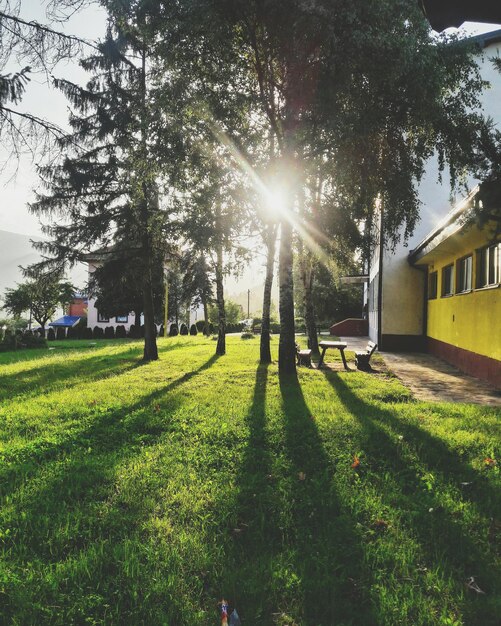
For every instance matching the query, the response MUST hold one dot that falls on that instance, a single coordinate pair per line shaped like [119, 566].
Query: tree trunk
[307, 276]
[206, 317]
[137, 320]
[265, 351]
[221, 334]
[287, 344]
[150, 335]
[149, 198]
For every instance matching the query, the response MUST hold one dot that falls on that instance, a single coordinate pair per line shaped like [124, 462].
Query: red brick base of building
[469, 362]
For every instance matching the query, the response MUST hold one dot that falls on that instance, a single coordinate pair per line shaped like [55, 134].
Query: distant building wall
[78, 307]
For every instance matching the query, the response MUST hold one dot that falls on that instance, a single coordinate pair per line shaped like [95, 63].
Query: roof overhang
[448, 227]
[356, 279]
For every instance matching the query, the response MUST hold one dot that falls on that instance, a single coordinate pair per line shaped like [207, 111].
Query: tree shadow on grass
[322, 540]
[254, 536]
[69, 516]
[46, 376]
[447, 544]
[31, 459]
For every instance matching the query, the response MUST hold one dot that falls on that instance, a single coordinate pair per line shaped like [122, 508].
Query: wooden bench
[362, 358]
[303, 356]
[334, 345]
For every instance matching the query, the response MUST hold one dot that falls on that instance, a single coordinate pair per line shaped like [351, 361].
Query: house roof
[486, 39]
[443, 14]
[67, 321]
[450, 225]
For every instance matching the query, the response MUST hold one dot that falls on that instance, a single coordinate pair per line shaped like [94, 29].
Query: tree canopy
[40, 296]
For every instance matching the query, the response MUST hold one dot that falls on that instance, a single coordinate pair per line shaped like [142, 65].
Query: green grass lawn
[142, 494]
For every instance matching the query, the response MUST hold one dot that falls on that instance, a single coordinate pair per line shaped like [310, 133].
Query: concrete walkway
[431, 379]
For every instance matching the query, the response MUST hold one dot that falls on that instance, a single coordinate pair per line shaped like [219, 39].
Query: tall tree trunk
[309, 312]
[150, 335]
[221, 333]
[206, 316]
[287, 344]
[307, 276]
[149, 199]
[265, 351]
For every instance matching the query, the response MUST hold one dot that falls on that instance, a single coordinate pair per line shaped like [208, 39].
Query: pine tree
[106, 191]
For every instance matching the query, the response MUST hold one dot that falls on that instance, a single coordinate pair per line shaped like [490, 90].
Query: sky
[16, 188]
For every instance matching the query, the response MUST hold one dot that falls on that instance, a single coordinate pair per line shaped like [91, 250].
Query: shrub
[61, 333]
[299, 325]
[51, 335]
[14, 341]
[31, 340]
[120, 332]
[81, 327]
[98, 332]
[247, 335]
[87, 333]
[235, 328]
[141, 331]
[134, 332]
[274, 327]
[193, 330]
[200, 324]
[161, 332]
[109, 332]
[173, 330]
[211, 328]
[183, 330]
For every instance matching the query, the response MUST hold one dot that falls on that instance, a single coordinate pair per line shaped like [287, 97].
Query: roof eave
[449, 226]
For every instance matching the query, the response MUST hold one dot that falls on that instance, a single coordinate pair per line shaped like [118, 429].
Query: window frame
[122, 319]
[443, 292]
[486, 256]
[101, 318]
[462, 285]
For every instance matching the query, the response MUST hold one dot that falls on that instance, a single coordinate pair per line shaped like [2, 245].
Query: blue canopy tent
[67, 321]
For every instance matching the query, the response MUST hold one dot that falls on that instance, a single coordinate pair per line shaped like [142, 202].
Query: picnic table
[332, 345]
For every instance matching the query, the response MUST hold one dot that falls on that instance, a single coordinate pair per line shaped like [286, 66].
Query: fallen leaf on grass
[490, 462]
[156, 408]
[472, 585]
[93, 403]
[356, 462]
[380, 524]
[301, 476]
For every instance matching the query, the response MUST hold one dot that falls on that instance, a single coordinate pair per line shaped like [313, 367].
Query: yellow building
[462, 317]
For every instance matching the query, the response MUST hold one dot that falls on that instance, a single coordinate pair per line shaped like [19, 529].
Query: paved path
[431, 379]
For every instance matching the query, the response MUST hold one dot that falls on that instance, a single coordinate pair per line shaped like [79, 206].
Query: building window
[464, 274]
[102, 318]
[432, 285]
[488, 266]
[448, 280]
[122, 319]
